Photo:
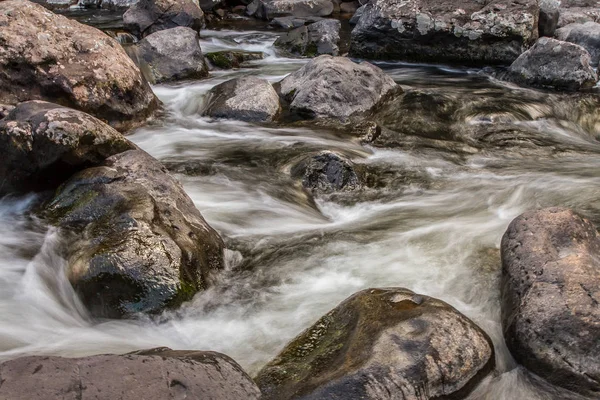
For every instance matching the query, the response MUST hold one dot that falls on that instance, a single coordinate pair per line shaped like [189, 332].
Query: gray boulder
[169, 55]
[550, 296]
[382, 344]
[549, 14]
[269, 9]
[248, 99]
[45, 56]
[149, 16]
[312, 40]
[357, 14]
[134, 242]
[229, 59]
[578, 11]
[335, 87]
[466, 32]
[326, 172]
[43, 144]
[149, 374]
[587, 35]
[288, 23]
[551, 63]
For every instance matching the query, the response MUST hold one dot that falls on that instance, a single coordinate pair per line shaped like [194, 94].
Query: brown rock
[149, 16]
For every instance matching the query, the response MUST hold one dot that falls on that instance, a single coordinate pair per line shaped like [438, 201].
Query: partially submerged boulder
[171, 54]
[43, 144]
[382, 344]
[134, 241]
[587, 35]
[269, 9]
[326, 172]
[312, 40]
[465, 32]
[44, 56]
[249, 98]
[149, 16]
[159, 373]
[551, 63]
[550, 296]
[229, 59]
[335, 87]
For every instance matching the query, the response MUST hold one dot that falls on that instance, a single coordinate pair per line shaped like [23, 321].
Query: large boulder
[149, 16]
[44, 56]
[326, 172]
[269, 9]
[457, 31]
[587, 35]
[550, 297]
[134, 242]
[335, 87]
[312, 40]
[149, 374]
[249, 98]
[382, 344]
[42, 144]
[551, 63]
[169, 55]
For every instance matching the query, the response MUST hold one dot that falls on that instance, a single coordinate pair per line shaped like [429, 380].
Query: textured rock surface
[44, 56]
[587, 35]
[107, 4]
[466, 32]
[326, 172]
[43, 144]
[149, 16]
[550, 297]
[134, 241]
[553, 64]
[549, 14]
[382, 344]
[248, 98]
[228, 59]
[269, 9]
[149, 374]
[318, 38]
[171, 54]
[335, 87]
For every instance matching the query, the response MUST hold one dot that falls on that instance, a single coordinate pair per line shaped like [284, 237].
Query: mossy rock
[232, 59]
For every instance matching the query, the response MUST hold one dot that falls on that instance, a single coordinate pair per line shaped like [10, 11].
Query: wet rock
[548, 19]
[313, 40]
[551, 63]
[159, 373]
[248, 98]
[550, 297]
[335, 87]
[269, 9]
[5, 109]
[45, 56]
[349, 7]
[170, 54]
[357, 14]
[471, 32]
[149, 16]
[382, 344]
[43, 144]
[586, 35]
[107, 4]
[288, 23]
[326, 172]
[229, 59]
[134, 242]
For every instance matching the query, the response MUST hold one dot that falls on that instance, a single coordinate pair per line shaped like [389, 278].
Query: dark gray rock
[382, 344]
[551, 63]
[48, 57]
[465, 32]
[548, 20]
[248, 98]
[269, 9]
[288, 23]
[107, 4]
[550, 297]
[5, 109]
[326, 172]
[587, 35]
[133, 240]
[169, 55]
[229, 59]
[349, 7]
[149, 374]
[149, 16]
[312, 40]
[43, 144]
[335, 87]
[357, 14]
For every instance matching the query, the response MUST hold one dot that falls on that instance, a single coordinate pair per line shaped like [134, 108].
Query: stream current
[432, 222]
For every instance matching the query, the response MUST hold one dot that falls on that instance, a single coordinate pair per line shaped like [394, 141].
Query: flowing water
[432, 223]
